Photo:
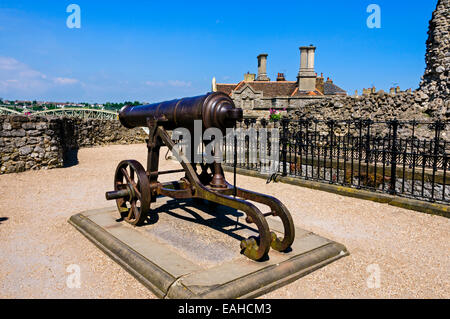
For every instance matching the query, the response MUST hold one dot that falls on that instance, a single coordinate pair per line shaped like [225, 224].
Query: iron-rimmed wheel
[131, 176]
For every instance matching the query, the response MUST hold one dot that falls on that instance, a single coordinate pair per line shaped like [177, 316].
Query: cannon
[135, 188]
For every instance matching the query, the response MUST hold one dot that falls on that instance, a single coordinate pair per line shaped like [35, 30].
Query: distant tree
[37, 108]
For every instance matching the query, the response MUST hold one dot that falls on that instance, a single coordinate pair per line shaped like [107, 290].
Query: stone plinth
[188, 250]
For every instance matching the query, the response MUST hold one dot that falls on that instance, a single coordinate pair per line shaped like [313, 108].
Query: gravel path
[410, 249]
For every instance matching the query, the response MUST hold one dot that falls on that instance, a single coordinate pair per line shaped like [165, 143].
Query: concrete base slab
[188, 249]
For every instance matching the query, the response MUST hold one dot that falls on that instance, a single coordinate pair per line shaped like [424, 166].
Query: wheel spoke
[137, 192]
[132, 211]
[125, 173]
[128, 178]
[132, 173]
[131, 182]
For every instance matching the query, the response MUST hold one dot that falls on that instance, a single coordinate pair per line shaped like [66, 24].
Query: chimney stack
[262, 68]
[249, 77]
[320, 83]
[306, 75]
[281, 77]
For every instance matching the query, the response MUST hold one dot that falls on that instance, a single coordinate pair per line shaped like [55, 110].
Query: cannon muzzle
[215, 109]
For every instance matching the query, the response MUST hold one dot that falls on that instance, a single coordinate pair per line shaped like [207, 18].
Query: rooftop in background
[307, 84]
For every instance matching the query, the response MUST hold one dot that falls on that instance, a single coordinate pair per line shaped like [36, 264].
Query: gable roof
[272, 89]
[225, 88]
[269, 89]
[330, 88]
[298, 92]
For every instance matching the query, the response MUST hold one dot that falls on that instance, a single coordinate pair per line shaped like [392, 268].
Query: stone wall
[46, 142]
[378, 107]
[436, 81]
[79, 133]
[29, 143]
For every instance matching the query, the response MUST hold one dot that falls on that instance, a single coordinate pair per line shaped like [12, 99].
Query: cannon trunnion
[135, 188]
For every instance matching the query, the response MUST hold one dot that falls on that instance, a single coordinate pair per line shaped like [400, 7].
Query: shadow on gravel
[2, 219]
[226, 219]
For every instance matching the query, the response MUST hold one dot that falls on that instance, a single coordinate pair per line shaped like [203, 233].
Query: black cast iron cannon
[136, 188]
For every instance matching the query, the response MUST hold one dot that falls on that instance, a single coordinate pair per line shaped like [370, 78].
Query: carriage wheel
[131, 177]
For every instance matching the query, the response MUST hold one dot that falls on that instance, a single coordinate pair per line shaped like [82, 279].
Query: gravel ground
[37, 245]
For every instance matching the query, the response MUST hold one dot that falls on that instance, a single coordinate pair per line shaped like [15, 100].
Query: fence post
[394, 123]
[331, 124]
[438, 126]
[246, 143]
[284, 141]
[369, 155]
[235, 150]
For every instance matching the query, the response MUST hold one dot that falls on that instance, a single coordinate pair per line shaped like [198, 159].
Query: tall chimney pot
[306, 75]
[281, 77]
[262, 68]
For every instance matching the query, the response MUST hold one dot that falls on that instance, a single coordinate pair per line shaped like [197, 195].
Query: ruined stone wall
[436, 81]
[377, 107]
[28, 142]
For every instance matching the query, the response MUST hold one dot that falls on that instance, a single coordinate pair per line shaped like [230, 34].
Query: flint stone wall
[381, 106]
[79, 133]
[436, 79]
[31, 143]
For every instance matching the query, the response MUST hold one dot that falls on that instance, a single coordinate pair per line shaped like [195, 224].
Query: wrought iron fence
[401, 158]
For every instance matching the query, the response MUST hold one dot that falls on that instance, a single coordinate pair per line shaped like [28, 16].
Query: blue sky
[156, 50]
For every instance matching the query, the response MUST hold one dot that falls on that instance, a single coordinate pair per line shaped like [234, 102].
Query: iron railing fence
[404, 158]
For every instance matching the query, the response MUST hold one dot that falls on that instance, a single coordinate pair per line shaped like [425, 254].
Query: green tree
[37, 108]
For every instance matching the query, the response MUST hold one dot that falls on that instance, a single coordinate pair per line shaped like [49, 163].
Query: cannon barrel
[213, 109]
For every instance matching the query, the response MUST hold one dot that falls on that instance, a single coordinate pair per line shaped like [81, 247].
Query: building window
[248, 103]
